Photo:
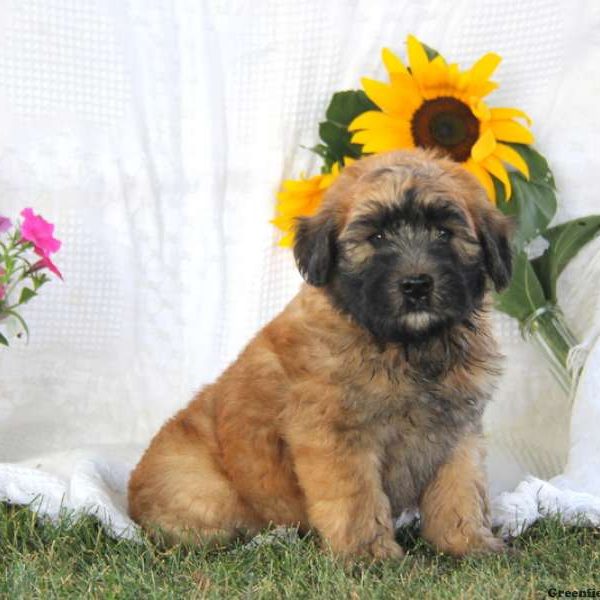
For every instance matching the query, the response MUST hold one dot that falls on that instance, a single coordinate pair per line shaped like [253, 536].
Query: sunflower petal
[406, 87]
[417, 58]
[295, 185]
[393, 99]
[453, 74]
[327, 181]
[483, 177]
[328, 178]
[298, 203]
[484, 146]
[381, 140]
[481, 110]
[440, 65]
[511, 131]
[482, 89]
[380, 93]
[282, 222]
[287, 241]
[373, 119]
[512, 157]
[392, 63]
[463, 81]
[500, 114]
[496, 168]
[484, 67]
[435, 77]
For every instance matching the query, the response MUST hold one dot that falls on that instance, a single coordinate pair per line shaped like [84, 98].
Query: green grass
[78, 560]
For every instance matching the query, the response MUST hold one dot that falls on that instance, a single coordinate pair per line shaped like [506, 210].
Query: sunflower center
[445, 123]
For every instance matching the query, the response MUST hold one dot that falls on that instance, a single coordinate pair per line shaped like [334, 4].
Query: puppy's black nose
[417, 288]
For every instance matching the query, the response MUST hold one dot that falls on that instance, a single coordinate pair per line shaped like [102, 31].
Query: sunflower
[433, 104]
[301, 198]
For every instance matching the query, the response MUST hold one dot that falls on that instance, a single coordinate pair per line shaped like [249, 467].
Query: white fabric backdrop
[155, 134]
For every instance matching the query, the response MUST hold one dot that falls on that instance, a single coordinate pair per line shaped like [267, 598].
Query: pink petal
[5, 224]
[38, 231]
[46, 263]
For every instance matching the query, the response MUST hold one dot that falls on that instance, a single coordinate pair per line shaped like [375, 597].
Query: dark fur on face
[412, 260]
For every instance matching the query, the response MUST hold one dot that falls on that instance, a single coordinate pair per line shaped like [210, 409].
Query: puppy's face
[404, 243]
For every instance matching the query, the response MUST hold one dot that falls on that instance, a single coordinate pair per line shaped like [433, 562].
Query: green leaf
[345, 106]
[532, 204]
[319, 149]
[337, 140]
[39, 279]
[3, 340]
[431, 52]
[524, 295]
[539, 170]
[26, 295]
[325, 153]
[566, 240]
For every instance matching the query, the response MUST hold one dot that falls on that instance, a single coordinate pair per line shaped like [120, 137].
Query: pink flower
[39, 232]
[2, 291]
[45, 263]
[5, 224]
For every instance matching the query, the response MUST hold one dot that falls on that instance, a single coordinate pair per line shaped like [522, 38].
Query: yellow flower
[436, 105]
[301, 198]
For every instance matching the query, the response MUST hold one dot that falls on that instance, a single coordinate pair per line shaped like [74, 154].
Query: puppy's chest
[415, 429]
[417, 441]
[406, 407]
[428, 416]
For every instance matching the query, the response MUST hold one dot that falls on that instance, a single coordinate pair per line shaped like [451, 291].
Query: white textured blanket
[155, 134]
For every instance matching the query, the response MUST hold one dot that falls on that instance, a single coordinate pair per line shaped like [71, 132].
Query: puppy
[364, 397]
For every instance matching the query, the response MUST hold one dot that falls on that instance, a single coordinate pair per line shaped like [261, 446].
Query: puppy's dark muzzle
[417, 290]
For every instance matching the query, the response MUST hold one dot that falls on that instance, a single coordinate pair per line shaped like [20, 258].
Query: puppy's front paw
[381, 547]
[385, 548]
[487, 543]
[463, 542]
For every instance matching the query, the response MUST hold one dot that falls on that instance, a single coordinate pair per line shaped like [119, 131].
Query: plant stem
[549, 332]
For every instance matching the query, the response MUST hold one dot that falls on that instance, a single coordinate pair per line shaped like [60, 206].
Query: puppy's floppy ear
[495, 230]
[314, 247]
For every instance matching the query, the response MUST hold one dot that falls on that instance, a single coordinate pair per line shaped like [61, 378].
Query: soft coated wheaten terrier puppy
[364, 397]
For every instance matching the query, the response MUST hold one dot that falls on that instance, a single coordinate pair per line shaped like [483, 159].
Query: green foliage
[533, 201]
[20, 278]
[76, 560]
[342, 110]
[539, 170]
[431, 52]
[524, 295]
[26, 295]
[533, 205]
[346, 106]
[565, 240]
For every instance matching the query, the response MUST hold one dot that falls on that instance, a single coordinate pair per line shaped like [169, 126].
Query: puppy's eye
[377, 239]
[443, 234]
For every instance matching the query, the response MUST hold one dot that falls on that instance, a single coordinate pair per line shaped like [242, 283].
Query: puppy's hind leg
[179, 494]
